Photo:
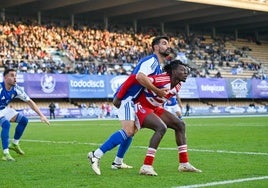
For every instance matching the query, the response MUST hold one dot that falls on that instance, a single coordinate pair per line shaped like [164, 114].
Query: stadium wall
[104, 86]
[74, 86]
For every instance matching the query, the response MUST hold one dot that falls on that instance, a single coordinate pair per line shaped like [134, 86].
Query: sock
[5, 132]
[122, 150]
[16, 141]
[183, 155]
[149, 158]
[22, 123]
[6, 151]
[115, 139]
[98, 153]
[118, 160]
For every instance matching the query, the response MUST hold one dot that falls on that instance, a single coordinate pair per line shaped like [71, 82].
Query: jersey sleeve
[131, 80]
[148, 67]
[160, 80]
[21, 94]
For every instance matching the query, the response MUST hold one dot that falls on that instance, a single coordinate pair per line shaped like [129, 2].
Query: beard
[165, 53]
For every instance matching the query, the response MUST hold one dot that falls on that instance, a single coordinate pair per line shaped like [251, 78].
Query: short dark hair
[157, 39]
[6, 71]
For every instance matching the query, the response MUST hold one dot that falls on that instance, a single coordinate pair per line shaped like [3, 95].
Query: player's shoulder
[18, 88]
[164, 77]
[151, 57]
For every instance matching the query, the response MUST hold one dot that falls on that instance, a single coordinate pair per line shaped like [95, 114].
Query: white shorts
[173, 109]
[126, 110]
[8, 113]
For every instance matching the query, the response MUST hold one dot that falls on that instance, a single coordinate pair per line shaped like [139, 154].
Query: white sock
[16, 142]
[6, 151]
[98, 153]
[118, 160]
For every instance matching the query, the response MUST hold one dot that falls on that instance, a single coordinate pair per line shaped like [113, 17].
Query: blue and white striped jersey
[7, 96]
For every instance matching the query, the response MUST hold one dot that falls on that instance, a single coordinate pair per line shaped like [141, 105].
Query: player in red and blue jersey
[149, 65]
[152, 115]
[150, 110]
[9, 90]
[174, 104]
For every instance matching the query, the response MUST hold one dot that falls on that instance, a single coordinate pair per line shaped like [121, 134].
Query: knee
[181, 126]
[161, 130]
[177, 124]
[22, 120]
[130, 131]
[129, 128]
[5, 123]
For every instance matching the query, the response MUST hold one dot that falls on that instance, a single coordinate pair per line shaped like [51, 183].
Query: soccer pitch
[231, 152]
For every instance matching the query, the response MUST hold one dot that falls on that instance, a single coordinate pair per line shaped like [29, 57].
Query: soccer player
[174, 104]
[149, 106]
[8, 91]
[150, 65]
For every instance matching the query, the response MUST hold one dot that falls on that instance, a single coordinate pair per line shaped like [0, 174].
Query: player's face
[163, 48]
[11, 78]
[181, 73]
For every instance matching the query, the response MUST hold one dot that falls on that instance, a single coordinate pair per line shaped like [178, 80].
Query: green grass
[56, 156]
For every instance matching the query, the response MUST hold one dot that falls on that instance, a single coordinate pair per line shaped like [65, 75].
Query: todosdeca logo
[48, 83]
[87, 83]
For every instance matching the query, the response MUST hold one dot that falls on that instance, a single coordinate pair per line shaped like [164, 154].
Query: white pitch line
[223, 182]
[145, 147]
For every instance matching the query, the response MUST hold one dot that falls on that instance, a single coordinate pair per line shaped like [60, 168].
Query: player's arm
[34, 107]
[147, 83]
[179, 100]
[131, 80]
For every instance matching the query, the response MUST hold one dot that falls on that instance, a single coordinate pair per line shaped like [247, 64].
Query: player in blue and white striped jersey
[9, 90]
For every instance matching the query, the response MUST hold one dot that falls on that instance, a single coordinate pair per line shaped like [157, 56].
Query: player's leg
[117, 138]
[114, 140]
[179, 127]
[151, 121]
[129, 127]
[126, 115]
[22, 123]
[5, 139]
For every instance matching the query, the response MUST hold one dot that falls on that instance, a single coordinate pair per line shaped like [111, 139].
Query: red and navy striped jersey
[150, 99]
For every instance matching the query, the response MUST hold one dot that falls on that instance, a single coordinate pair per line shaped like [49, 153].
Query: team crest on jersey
[48, 83]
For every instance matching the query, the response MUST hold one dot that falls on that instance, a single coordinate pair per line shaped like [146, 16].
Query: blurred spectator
[187, 111]
[52, 107]
[218, 75]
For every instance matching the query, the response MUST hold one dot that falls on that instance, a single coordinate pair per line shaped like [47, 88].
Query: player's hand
[117, 102]
[45, 120]
[162, 92]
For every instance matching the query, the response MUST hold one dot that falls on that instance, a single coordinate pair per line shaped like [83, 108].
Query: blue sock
[5, 132]
[124, 147]
[22, 123]
[115, 139]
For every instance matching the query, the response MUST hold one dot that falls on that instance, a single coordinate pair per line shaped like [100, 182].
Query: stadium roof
[250, 17]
